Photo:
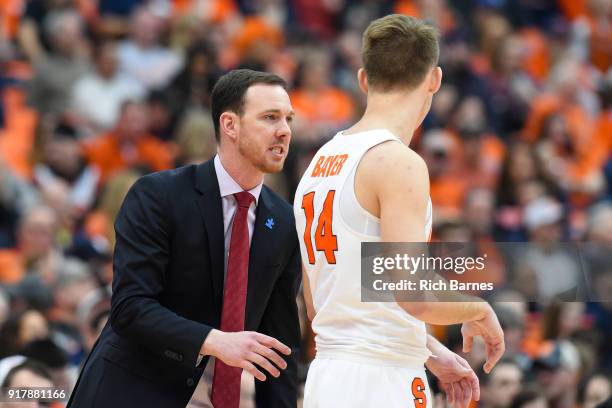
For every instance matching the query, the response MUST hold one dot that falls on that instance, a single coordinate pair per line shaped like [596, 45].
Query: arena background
[95, 93]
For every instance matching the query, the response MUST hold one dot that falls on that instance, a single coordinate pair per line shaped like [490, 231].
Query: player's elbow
[417, 309]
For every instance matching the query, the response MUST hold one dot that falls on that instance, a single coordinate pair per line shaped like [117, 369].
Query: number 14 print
[324, 238]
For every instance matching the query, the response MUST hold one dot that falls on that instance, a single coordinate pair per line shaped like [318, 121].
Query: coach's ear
[435, 80]
[363, 80]
[229, 124]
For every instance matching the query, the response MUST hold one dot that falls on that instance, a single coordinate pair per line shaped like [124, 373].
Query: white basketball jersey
[331, 226]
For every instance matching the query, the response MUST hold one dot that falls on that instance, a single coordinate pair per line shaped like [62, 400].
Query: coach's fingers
[271, 342]
[475, 385]
[251, 369]
[471, 377]
[457, 394]
[467, 393]
[271, 355]
[448, 390]
[264, 363]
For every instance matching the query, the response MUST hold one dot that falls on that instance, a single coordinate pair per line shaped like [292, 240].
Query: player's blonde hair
[398, 51]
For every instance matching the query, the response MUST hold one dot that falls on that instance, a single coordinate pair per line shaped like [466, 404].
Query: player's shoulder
[393, 158]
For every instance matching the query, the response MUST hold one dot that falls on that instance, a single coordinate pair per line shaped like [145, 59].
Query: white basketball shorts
[338, 383]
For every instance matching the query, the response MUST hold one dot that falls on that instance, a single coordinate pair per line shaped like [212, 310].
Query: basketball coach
[206, 270]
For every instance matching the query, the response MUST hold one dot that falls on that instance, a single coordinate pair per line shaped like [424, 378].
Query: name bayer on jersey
[430, 285]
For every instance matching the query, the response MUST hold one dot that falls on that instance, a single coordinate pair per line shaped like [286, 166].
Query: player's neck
[398, 113]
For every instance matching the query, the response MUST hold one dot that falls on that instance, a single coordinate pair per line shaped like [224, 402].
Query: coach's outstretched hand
[455, 376]
[491, 332]
[244, 349]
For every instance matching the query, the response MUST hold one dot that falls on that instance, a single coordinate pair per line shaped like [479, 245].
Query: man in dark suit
[206, 264]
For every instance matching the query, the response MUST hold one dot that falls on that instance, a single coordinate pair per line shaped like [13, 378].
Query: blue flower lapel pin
[270, 223]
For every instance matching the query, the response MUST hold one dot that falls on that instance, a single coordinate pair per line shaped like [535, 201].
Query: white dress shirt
[227, 187]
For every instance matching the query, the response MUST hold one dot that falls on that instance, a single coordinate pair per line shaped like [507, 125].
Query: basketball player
[366, 184]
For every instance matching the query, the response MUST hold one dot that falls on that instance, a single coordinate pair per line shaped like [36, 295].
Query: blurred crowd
[95, 93]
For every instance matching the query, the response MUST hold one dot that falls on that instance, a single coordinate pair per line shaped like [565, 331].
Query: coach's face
[264, 131]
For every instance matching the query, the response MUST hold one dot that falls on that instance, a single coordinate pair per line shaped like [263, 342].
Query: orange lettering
[329, 165]
[317, 168]
[332, 164]
[339, 164]
[418, 392]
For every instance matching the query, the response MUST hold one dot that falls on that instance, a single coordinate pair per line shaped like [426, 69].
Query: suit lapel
[211, 210]
[261, 258]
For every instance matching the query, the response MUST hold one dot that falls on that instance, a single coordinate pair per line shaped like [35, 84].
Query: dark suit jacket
[168, 293]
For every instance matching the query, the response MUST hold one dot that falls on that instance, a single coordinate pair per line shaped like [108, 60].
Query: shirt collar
[228, 186]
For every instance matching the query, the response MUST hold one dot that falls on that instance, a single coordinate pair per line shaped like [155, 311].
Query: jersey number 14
[324, 238]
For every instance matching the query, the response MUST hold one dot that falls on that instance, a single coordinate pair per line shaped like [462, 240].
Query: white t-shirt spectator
[154, 67]
[99, 100]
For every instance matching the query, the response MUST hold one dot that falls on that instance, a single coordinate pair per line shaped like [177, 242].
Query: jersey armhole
[352, 208]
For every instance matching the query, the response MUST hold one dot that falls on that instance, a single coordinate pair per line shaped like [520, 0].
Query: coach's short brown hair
[398, 51]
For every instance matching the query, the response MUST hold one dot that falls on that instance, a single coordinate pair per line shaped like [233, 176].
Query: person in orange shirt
[128, 144]
[448, 188]
[36, 250]
[320, 107]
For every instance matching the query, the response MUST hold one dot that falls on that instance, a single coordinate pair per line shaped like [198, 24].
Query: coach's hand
[245, 349]
[455, 376]
[487, 327]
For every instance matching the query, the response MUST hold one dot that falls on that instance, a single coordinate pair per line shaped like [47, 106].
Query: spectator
[54, 358]
[55, 73]
[63, 177]
[99, 223]
[572, 169]
[556, 373]
[547, 269]
[447, 191]
[142, 56]
[478, 213]
[163, 116]
[74, 282]
[31, 32]
[97, 96]
[500, 387]
[4, 306]
[195, 138]
[28, 374]
[20, 329]
[36, 251]
[17, 197]
[128, 144]
[192, 86]
[529, 397]
[481, 152]
[594, 390]
[320, 107]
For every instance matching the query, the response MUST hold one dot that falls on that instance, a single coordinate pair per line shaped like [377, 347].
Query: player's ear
[229, 124]
[435, 80]
[363, 80]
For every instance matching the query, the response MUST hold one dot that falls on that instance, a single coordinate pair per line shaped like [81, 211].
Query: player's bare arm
[310, 311]
[392, 182]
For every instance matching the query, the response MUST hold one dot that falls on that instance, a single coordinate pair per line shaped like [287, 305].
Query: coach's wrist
[209, 347]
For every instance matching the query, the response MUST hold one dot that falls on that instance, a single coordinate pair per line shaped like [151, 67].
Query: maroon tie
[226, 379]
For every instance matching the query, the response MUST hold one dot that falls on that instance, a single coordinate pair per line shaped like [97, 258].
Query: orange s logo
[418, 392]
